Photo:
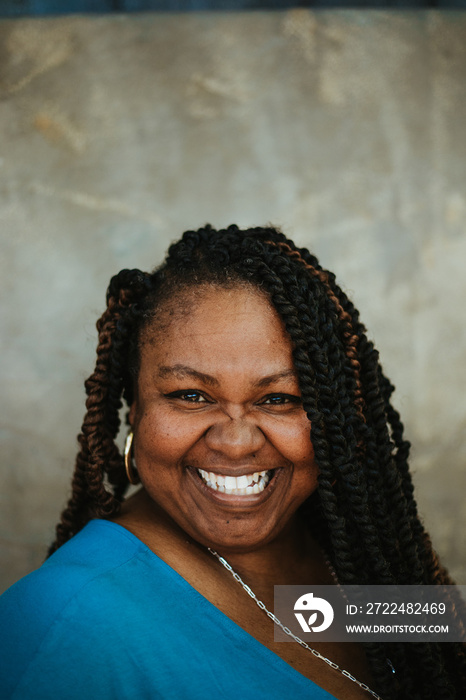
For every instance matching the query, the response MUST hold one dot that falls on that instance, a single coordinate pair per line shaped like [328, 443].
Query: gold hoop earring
[131, 472]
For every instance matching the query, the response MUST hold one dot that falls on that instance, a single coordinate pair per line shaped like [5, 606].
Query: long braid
[378, 409]
[99, 455]
[319, 363]
[341, 413]
[364, 512]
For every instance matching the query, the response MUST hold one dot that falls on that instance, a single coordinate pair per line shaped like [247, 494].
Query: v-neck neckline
[270, 656]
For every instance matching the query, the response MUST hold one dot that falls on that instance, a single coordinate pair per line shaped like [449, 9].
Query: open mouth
[244, 485]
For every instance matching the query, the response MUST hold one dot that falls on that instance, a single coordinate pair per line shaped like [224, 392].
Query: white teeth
[242, 485]
[230, 482]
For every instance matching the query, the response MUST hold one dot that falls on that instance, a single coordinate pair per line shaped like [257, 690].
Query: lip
[233, 500]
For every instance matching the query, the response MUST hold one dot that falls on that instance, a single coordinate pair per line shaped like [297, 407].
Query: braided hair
[363, 512]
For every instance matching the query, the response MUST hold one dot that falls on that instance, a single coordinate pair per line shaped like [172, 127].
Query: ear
[132, 414]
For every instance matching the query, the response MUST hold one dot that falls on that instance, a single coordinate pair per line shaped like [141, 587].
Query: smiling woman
[262, 436]
[222, 444]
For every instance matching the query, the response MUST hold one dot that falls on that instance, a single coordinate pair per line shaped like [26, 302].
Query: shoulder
[96, 551]
[62, 604]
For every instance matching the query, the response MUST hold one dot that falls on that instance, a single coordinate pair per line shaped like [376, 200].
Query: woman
[265, 445]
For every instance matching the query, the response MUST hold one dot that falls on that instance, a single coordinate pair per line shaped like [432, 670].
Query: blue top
[105, 618]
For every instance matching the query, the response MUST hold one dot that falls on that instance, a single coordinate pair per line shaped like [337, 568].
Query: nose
[236, 438]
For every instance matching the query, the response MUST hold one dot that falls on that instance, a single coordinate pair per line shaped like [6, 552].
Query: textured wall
[346, 128]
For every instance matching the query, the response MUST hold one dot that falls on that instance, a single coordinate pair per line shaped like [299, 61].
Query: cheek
[300, 451]
[295, 442]
[163, 437]
[154, 437]
[158, 452]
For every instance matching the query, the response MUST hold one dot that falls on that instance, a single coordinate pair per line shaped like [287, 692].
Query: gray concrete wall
[118, 133]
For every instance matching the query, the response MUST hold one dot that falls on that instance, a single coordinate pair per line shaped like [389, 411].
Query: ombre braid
[99, 456]
[363, 512]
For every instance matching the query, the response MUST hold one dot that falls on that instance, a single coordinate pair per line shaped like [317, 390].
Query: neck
[293, 558]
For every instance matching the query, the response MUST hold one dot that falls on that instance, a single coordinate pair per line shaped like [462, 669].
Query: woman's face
[221, 442]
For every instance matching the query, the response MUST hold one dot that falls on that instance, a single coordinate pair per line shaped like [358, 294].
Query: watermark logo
[309, 603]
[371, 613]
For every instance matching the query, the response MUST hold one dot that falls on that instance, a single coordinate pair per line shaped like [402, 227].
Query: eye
[280, 400]
[190, 396]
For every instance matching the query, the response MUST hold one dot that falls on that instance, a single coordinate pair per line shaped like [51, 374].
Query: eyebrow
[286, 374]
[185, 371]
[182, 371]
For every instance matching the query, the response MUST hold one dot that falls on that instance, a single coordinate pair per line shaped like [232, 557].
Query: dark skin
[217, 392]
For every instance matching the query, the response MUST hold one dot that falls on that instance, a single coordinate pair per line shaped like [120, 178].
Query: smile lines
[244, 485]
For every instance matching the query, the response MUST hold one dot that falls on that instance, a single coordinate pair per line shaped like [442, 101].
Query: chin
[235, 541]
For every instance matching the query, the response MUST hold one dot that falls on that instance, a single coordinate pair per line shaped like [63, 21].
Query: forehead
[211, 324]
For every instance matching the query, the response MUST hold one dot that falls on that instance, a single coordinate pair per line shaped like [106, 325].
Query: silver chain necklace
[286, 630]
